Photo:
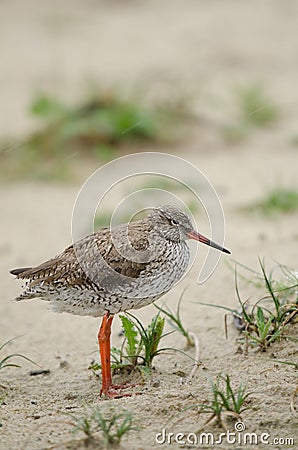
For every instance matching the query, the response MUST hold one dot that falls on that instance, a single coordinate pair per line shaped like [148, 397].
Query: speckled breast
[159, 277]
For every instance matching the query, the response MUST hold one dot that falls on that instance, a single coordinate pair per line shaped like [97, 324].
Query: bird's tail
[28, 292]
[19, 271]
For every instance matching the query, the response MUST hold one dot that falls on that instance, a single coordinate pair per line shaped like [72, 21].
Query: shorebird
[116, 269]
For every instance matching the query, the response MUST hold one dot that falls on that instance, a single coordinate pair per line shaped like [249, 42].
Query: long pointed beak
[199, 237]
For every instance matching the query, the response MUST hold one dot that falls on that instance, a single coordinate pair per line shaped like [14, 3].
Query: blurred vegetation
[254, 109]
[98, 128]
[278, 201]
[294, 140]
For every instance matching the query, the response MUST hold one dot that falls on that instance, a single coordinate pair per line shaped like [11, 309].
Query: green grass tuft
[142, 342]
[111, 428]
[225, 398]
[140, 345]
[267, 320]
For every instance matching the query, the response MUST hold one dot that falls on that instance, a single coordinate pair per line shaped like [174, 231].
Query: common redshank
[116, 269]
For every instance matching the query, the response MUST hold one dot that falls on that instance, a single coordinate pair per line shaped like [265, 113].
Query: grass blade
[270, 289]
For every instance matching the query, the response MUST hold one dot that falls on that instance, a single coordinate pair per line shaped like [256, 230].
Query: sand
[212, 46]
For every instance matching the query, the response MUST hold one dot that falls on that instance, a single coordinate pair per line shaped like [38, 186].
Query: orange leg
[105, 352]
[105, 357]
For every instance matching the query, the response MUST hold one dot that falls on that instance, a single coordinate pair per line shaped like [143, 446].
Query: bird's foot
[111, 391]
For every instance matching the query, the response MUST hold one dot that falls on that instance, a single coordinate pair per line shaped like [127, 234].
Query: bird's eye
[174, 222]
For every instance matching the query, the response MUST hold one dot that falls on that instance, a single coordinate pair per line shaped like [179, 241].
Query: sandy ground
[214, 46]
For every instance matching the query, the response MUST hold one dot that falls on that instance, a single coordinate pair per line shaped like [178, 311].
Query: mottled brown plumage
[67, 268]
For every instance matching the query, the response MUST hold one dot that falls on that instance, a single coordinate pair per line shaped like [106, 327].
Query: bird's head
[174, 225]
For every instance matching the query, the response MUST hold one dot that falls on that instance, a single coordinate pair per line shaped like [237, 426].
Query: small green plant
[282, 279]
[275, 202]
[134, 343]
[271, 327]
[112, 428]
[142, 343]
[84, 424]
[261, 331]
[224, 400]
[176, 321]
[6, 361]
[262, 325]
[281, 283]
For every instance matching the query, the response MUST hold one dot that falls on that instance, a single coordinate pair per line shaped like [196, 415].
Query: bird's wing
[93, 261]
